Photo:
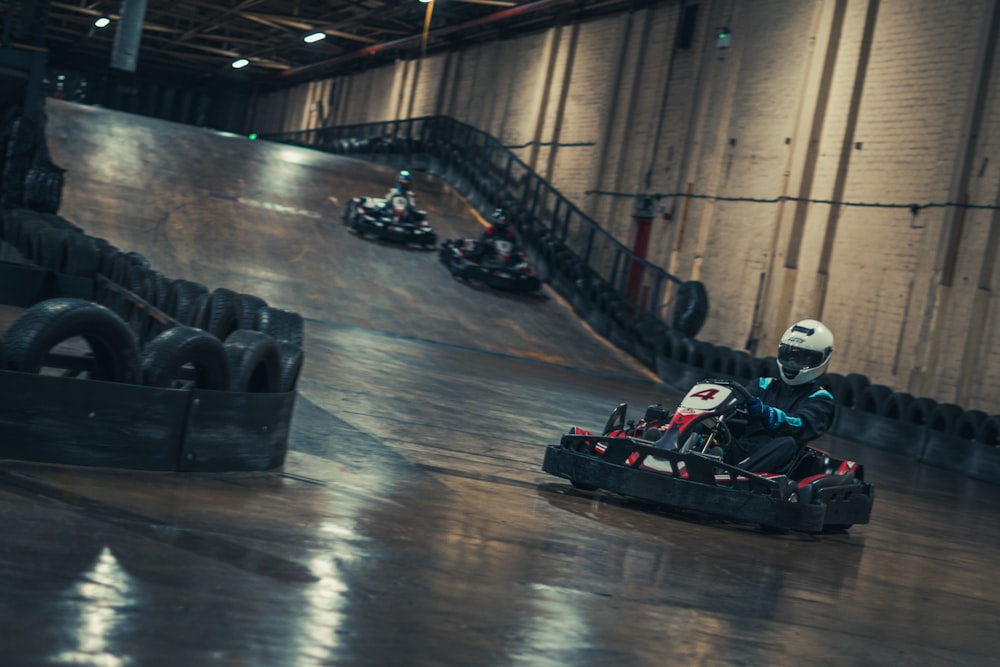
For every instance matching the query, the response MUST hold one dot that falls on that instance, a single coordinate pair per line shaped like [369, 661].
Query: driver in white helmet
[787, 412]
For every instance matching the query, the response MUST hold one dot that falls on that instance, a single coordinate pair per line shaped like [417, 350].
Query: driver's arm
[805, 419]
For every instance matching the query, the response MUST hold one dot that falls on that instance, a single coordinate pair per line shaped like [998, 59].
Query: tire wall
[620, 111]
[170, 349]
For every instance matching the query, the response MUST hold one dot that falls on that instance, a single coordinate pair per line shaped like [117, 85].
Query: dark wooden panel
[89, 422]
[230, 431]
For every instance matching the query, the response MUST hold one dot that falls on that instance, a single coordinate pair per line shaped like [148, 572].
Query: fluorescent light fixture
[240, 63]
[314, 37]
[102, 22]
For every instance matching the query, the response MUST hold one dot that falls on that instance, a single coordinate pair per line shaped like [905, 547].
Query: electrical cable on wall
[913, 208]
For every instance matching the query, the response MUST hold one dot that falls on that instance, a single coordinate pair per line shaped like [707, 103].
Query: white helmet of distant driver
[804, 352]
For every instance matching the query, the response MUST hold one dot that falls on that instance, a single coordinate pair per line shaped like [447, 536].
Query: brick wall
[799, 105]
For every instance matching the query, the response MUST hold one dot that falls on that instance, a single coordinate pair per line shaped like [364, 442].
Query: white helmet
[804, 352]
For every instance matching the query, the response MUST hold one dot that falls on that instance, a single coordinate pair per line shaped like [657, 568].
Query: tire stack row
[858, 392]
[163, 332]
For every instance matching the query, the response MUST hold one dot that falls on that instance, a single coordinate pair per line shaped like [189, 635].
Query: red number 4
[706, 394]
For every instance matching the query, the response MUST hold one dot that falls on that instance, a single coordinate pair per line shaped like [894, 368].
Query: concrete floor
[411, 523]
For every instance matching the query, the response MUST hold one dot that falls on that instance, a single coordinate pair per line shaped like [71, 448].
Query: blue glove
[771, 416]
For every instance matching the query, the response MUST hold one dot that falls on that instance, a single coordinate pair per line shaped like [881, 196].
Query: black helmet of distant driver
[404, 179]
[804, 352]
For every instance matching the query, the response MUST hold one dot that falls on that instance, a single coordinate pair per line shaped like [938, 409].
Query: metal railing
[580, 259]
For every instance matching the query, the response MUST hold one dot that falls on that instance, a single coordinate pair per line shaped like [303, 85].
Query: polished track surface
[411, 524]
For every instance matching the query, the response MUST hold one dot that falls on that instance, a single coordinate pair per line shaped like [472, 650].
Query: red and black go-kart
[684, 469]
[504, 269]
[393, 220]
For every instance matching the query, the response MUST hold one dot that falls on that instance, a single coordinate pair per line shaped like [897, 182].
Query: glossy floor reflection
[411, 524]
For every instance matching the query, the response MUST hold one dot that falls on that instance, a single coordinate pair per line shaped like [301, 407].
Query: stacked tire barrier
[489, 176]
[118, 365]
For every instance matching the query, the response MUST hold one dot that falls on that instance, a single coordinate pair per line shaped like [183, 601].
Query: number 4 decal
[706, 394]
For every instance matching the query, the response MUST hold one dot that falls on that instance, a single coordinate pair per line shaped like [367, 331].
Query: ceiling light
[314, 37]
[240, 63]
[102, 22]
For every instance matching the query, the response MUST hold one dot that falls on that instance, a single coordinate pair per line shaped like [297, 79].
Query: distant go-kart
[393, 220]
[504, 269]
[685, 470]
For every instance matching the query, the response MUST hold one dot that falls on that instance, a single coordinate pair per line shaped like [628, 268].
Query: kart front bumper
[742, 497]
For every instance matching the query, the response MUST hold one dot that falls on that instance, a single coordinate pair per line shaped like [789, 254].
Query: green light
[253, 135]
[722, 35]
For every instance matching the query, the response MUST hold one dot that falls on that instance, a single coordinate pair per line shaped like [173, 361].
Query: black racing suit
[799, 414]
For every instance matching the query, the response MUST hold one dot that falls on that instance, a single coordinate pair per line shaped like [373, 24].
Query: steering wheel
[618, 415]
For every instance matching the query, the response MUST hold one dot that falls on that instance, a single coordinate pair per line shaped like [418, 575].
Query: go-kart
[390, 220]
[503, 269]
[683, 468]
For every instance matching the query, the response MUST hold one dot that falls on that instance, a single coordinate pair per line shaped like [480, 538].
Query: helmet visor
[798, 358]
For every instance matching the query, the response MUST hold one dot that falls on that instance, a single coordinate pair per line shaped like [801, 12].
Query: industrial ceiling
[205, 37]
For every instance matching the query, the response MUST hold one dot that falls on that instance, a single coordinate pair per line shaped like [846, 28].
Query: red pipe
[376, 48]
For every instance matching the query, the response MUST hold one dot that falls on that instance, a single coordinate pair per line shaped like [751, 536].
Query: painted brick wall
[737, 123]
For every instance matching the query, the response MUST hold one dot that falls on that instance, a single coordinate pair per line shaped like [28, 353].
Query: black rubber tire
[690, 307]
[851, 389]
[718, 362]
[182, 300]
[254, 362]
[944, 418]
[968, 424]
[48, 323]
[248, 305]
[767, 367]
[895, 405]
[989, 431]
[686, 351]
[222, 316]
[281, 325]
[832, 383]
[873, 398]
[83, 256]
[919, 411]
[291, 359]
[166, 355]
